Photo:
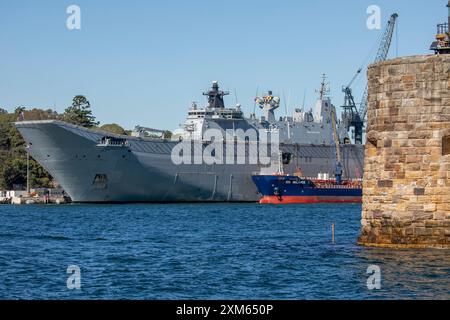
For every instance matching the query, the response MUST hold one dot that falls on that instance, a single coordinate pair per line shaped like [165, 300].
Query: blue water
[207, 251]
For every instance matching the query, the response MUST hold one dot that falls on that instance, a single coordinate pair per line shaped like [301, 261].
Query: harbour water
[206, 251]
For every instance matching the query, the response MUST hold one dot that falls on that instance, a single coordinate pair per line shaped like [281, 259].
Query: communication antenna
[254, 103]
[324, 87]
[304, 99]
[288, 101]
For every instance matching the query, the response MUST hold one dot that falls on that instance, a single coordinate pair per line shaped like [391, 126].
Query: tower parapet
[406, 200]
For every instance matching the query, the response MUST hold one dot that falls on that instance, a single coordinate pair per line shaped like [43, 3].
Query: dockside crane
[356, 117]
[442, 43]
[338, 167]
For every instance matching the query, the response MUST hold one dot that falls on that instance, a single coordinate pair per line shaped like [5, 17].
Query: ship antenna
[288, 101]
[235, 96]
[304, 99]
[323, 87]
[254, 104]
[285, 104]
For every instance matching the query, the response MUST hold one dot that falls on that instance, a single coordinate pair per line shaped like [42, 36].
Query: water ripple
[217, 251]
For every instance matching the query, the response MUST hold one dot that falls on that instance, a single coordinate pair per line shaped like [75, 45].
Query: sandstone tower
[406, 201]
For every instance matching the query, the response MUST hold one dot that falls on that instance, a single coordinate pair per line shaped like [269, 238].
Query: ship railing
[442, 28]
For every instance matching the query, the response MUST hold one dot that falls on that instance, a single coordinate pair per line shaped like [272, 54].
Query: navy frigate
[98, 166]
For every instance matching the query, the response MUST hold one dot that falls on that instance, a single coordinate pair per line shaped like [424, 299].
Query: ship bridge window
[446, 145]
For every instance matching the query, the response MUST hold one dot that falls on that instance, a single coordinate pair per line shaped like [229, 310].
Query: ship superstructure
[312, 127]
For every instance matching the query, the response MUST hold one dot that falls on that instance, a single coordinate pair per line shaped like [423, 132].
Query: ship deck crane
[352, 116]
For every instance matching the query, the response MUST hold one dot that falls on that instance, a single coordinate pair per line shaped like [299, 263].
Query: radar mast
[215, 96]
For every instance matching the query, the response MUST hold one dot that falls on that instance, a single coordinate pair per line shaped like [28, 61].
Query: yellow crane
[442, 45]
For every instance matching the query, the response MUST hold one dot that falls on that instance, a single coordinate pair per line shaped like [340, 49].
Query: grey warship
[101, 167]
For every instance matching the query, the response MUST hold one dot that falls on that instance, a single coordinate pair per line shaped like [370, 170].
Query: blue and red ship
[288, 189]
[284, 189]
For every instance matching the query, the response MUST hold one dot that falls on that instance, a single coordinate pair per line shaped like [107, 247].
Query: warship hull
[142, 169]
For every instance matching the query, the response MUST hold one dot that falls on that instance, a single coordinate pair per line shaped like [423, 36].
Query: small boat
[289, 189]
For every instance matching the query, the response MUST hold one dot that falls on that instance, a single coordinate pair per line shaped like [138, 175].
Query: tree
[3, 111]
[13, 158]
[19, 112]
[15, 173]
[113, 128]
[80, 113]
[40, 114]
[5, 127]
[167, 134]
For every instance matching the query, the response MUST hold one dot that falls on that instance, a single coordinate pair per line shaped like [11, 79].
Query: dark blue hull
[292, 189]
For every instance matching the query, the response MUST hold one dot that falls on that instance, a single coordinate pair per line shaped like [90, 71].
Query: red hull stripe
[308, 199]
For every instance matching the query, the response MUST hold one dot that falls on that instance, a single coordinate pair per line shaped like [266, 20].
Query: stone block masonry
[406, 200]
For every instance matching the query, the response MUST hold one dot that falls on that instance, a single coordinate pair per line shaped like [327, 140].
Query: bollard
[332, 233]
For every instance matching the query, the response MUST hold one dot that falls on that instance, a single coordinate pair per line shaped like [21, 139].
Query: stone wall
[406, 201]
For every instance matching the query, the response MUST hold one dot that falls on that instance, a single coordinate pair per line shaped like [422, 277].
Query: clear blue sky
[143, 62]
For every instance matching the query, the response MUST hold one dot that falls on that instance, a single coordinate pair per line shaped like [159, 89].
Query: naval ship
[98, 166]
